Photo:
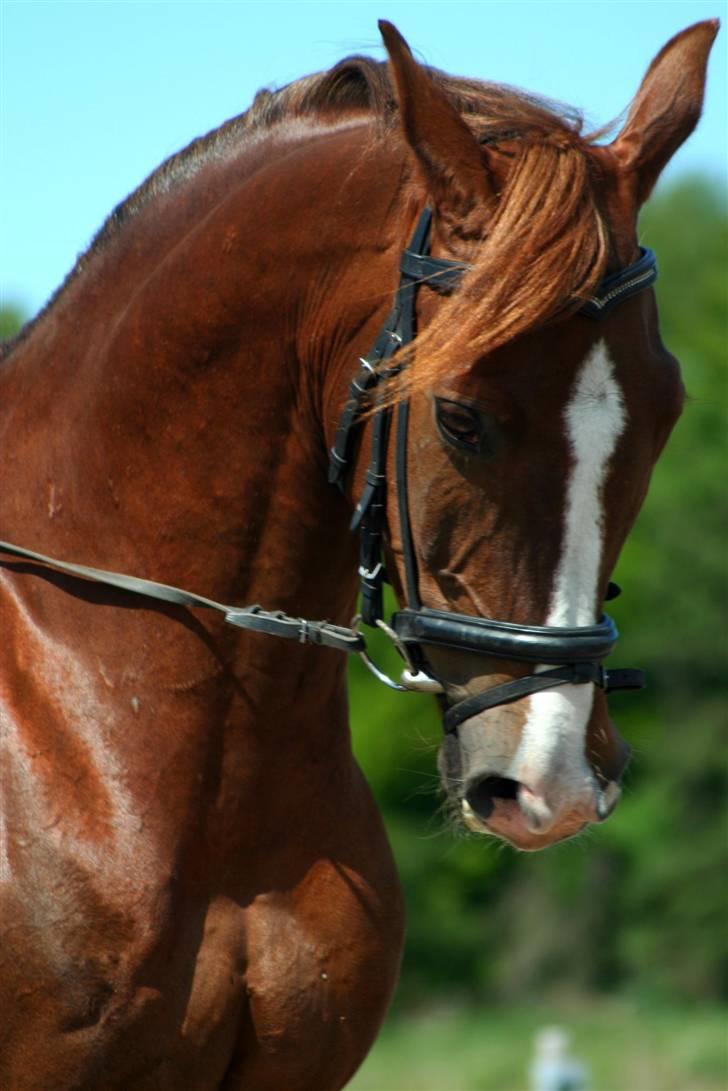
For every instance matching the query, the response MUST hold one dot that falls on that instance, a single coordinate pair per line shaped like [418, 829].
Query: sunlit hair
[545, 249]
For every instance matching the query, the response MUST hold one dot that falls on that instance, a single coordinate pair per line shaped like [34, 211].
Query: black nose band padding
[504, 639]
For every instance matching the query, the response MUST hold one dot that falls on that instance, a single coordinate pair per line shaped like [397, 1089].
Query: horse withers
[197, 891]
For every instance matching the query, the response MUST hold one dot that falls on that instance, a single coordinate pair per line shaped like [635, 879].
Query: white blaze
[595, 419]
[552, 743]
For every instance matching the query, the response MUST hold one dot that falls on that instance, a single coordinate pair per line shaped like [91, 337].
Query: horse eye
[459, 424]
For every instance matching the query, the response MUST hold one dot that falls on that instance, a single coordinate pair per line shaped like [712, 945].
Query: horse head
[534, 424]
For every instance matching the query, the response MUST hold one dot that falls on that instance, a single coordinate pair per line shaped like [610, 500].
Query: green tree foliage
[11, 320]
[642, 901]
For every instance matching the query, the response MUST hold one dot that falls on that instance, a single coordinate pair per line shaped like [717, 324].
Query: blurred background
[620, 936]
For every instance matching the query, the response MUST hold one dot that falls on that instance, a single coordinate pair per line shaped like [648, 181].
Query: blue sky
[93, 95]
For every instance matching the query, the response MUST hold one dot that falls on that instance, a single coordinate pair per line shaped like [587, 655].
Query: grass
[625, 1046]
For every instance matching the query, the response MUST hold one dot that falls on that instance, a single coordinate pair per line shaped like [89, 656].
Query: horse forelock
[545, 247]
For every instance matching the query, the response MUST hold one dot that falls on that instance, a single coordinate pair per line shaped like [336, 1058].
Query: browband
[619, 286]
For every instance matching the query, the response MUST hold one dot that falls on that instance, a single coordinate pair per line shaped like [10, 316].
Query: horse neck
[170, 412]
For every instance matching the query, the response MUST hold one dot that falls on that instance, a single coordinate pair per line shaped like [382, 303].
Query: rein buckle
[413, 680]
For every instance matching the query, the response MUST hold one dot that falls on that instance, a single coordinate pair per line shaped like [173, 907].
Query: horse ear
[454, 164]
[666, 108]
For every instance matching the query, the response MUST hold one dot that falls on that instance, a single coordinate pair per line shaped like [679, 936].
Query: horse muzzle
[529, 818]
[535, 772]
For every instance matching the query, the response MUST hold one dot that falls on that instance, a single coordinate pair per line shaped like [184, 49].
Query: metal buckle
[413, 680]
[369, 574]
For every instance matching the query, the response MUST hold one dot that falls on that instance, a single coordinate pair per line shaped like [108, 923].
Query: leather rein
[577, 652]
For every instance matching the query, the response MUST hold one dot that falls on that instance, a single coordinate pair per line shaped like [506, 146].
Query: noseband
[575, 652]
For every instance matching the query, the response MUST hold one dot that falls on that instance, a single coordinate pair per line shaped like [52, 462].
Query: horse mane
[546, 243]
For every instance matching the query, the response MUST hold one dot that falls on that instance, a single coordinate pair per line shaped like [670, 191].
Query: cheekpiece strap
[437, 273]
[417, 267]
[363, 383]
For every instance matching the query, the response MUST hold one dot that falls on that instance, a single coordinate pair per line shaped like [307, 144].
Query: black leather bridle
[576, 653]
[569, 655]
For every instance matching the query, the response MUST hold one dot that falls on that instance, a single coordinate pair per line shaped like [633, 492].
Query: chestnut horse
[197, 889]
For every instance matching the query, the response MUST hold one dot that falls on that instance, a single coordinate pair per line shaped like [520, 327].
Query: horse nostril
[482, 795]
